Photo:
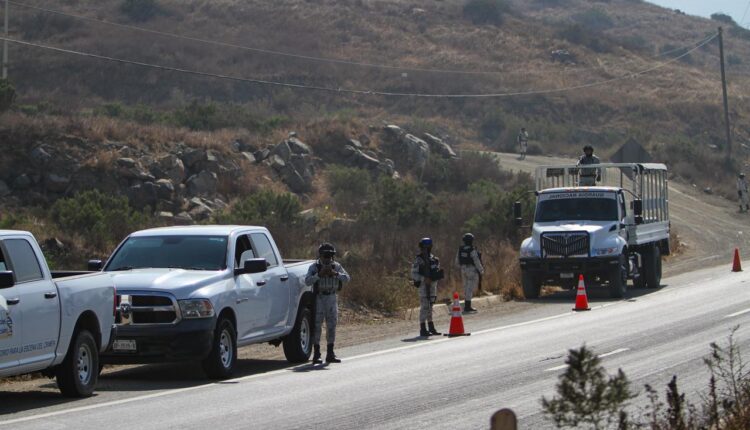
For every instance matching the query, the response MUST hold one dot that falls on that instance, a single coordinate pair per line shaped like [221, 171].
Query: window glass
[264, 248]
[24, 261]
[175, 252]
[587, 209]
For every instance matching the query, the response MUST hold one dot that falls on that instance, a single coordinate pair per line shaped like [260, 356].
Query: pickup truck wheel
[298, 344]
[652, 262]
[618, 280]
[220, 362]
[531, 286]
[78, 374]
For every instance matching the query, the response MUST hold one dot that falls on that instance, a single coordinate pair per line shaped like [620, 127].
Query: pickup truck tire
[618, 279]
[652, 266]
[221, 361]
[298, 344]
[531, 286]
[78, 374]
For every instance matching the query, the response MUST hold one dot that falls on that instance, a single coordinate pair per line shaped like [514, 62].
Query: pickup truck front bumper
[553, 268]
[186, 340]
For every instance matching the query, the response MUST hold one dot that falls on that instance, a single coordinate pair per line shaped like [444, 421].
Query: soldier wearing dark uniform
[588, 177]
[468, 259]
[327, 277]
[426, 273]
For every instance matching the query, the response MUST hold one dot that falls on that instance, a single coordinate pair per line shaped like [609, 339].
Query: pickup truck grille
[565, 245]
[146, 309]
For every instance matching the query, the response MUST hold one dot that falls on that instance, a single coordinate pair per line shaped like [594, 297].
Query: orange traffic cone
[582, 301]
[457, 321]
[737, 265]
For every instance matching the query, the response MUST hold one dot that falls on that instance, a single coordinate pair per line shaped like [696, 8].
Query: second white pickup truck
[199, 292]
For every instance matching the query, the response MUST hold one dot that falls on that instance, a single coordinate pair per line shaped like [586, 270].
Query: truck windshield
[577, 209]
[176, 252]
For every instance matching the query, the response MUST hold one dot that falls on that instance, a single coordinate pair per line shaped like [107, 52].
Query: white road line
[737, 313]
[259, 375]
[617, 351]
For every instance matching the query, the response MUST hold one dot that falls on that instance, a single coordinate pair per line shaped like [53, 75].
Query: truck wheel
[618, 280]
[531, 286]
[652, 261]
[78, 374]
[220, 362]
[298, 344]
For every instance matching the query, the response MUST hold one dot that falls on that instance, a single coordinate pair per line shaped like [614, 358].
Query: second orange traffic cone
[737, 264]
[457, 321]
[582, 300]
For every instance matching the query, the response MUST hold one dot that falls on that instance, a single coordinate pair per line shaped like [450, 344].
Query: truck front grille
[565, 245]
[146, 309]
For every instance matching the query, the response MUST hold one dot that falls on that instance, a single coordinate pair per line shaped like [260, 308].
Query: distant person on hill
[588, 177]
[523, 143]
[742, 193]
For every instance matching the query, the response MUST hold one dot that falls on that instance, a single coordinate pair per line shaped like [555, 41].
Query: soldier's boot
[330, 356]
[423, 330]
[316, 354]
[433, 330]
[468, 309]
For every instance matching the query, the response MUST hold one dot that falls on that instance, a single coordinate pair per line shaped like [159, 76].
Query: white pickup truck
[54, 326]
[612, 232]
[199, 292]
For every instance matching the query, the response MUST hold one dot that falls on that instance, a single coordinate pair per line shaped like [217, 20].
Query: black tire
[531, 285]
[298, 343]
[618, 279]
[652, 263]
[78, 374]
[221, 361]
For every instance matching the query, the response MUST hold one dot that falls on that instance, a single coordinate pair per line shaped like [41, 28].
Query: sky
[734, 8]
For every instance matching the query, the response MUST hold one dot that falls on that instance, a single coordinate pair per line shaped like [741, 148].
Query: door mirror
[6, 279]
[517, 213]
[638, 211]
[253, 265]
[95, 265]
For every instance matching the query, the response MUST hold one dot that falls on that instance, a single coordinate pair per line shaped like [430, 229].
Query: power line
[742, 21]
[300, 56]
[356, 91]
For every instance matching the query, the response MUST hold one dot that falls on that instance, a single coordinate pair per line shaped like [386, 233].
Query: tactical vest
[326, 288]
[464, 255]
[433, 271]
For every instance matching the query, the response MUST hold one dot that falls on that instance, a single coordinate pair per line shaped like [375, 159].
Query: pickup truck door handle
[285, 278]
[15, 301]
[242, 300]
[260, 283]
[50, 295]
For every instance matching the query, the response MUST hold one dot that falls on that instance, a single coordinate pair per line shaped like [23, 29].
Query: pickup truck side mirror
[638, 211]
[6, 279]
[517, 214]
[253, 265]
[95, 265]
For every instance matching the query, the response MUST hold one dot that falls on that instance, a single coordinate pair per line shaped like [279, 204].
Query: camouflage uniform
[326, 306]
[469, 271]
[427, 292]
[588, 177]
[523, 142]
[742, 191]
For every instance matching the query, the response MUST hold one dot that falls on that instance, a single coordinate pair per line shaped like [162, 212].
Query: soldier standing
[426, 273]
[327, 278]
[742, 193]
[468, 259]
[588, 177]
[523, 142]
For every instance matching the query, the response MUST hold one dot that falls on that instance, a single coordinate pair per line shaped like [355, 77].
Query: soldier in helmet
[426, 273]
[327, 277]
[742, 193]
[468, 259]
[523, 143]
[588, 177]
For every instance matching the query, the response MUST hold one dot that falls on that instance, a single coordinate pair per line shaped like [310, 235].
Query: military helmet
[588, 148]
[742, 175]
[468, 238]
[425, 242]
[326, 250]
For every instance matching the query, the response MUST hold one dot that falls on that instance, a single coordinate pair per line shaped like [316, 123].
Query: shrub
[402, 203]
[7, 95]
[485, 11]
[140, 10]
[101, 219]
[349, 187]
[722, 17]
[456, 175]
[497, 217]
[492, 125]
[594, 19]
[266, 208]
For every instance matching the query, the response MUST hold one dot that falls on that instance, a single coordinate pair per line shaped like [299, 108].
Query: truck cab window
[23, 260]
[264, 248]
[3, 266]
[243, 250]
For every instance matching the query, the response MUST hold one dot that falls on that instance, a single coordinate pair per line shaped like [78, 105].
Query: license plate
[124, 345]
[566, 276]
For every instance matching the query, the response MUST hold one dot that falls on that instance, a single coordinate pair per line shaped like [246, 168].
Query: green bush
[101, 219]
[497, 217]
[7, 95]
[402, 203]
[456, 175]
[140, 10]
[349, 187]
[594, 20]
[485, 11]
[266, 208]
[722, 17]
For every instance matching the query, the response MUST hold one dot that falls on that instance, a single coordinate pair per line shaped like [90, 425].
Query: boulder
[295, 181]
[417, 150]
[203, 183]
[22, 182]
[142, 195]
[356, 144]
[261, 155]
[393, 131]
[127, 163]
[439, 146]
[56, 183]
[201, 212]
[183, 218]
[282, 150]
[40, 156]
[192, 156]
[164, 189]
[53, 245]
[248, 157]
[276, 162]
[298, 147]
[165, 216]
[169, 167]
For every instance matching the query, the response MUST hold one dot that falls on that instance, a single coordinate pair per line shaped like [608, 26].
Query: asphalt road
[402, 382]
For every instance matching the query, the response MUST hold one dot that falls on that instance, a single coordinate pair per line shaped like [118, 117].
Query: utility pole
[726, 101]
[5, 44]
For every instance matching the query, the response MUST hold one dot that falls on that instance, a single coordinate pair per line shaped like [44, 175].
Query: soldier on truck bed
[588, 177]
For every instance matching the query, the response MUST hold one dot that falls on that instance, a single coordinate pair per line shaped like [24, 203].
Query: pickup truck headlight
[529, 253]
[601, 252]
[196, 308]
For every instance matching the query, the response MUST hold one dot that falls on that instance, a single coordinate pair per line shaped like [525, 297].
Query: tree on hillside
[486, 11]
[140, 10]
[7, 95]
[722, 17]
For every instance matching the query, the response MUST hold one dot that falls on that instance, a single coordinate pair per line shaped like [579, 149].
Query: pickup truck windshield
[586, 209]
[176, 252]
